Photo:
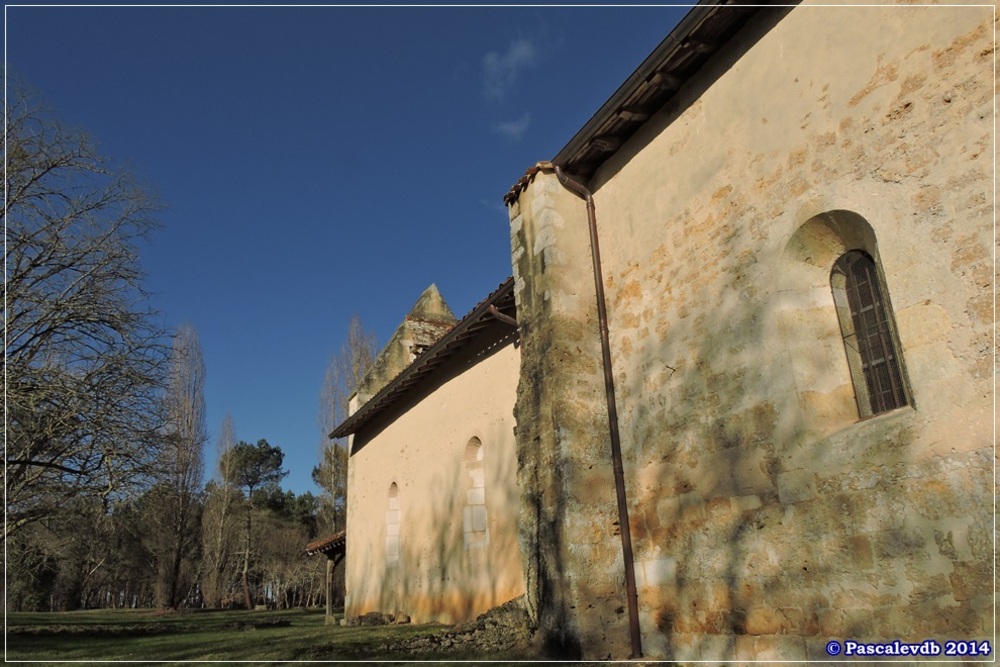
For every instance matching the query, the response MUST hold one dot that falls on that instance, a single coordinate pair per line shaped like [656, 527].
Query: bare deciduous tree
[84, 359]
[344, 373]
[218, 529]
[331, 476]
[287, 522]
[179, 469]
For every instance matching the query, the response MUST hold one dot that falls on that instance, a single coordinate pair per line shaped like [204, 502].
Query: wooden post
[334, 548]
[329, 591]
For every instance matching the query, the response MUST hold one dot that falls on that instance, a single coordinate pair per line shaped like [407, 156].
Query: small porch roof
[330, 546]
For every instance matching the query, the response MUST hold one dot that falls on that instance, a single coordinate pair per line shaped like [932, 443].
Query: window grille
[868, 337]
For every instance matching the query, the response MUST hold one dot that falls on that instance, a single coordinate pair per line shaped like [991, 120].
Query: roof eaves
[655, 81]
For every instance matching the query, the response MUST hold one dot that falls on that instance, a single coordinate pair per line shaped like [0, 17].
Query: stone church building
[736, 401]
[432, 475]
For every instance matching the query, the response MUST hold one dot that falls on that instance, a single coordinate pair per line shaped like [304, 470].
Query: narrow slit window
[867, 328]
[474, 519]
[392, 528]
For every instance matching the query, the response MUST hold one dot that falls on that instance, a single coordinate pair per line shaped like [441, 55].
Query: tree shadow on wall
[441, 578]
[764, 523]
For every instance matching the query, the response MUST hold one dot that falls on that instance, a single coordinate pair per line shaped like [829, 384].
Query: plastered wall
[767, 517]
[423, 451]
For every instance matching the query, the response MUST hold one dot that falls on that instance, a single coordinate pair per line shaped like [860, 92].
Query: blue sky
[317, 162]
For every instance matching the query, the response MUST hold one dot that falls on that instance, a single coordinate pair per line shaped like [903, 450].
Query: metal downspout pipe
[507, 319]
[609, 387]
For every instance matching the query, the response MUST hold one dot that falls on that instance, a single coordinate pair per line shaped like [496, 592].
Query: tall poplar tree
[179, 469]
[218, 529]
[344, 373]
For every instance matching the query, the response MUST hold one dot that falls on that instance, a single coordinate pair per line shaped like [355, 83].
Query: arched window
[869, 338]
[392, 527]
[474, 513]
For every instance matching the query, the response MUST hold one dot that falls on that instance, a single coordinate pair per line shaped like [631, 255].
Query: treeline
[88, 556]
[105, 497]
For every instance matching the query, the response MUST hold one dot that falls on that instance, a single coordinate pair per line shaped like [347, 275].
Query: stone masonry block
[656, 572]
[796, 486]
[780, 647]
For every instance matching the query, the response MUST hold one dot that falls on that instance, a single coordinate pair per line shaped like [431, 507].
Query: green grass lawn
[262, 636]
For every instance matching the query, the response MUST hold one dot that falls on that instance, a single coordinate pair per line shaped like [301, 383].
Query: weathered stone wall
[425, 324]
[767, 517]
[568, 524]
[421, 448]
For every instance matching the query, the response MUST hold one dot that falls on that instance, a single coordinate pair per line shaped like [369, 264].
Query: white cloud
[494, 205]
[500, 71]
[513, 129]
